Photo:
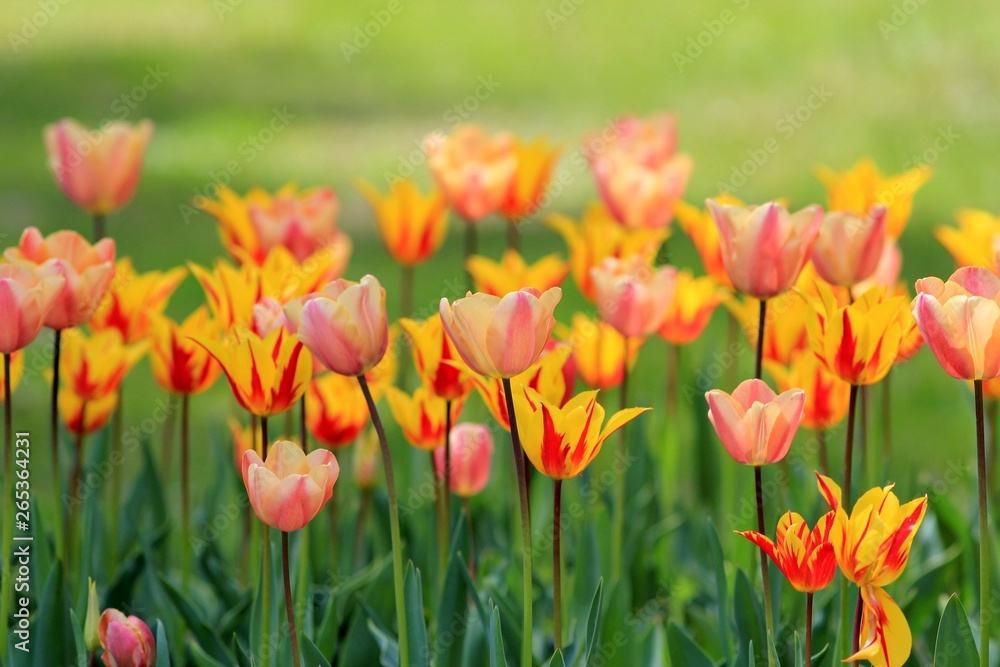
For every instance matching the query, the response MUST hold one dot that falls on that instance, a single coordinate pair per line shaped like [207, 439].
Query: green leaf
[955, 646]
[750, 626]
[312, 654]
[52, 635]
[81, 646]
[721, 590]
[201, 658]
[207, 639]
[453, 606]
[162, 648]
[388, 647]
[683, 650]
[497, 657]
[557, 660]
[243, 658]
[415, 625]
[594, 621]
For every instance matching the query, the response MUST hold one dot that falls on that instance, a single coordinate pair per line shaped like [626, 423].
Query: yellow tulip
[512, 273]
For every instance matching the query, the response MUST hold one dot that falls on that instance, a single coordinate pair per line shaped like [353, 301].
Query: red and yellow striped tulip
[83, 417]
[180, 365]
[806, 557]
[827, 396]
[599, 352]
[437, 361]
[690, 309]
[412, 225]
[546, 377]
[421, 416]
[534, 162]
[135, 299]
[336, 410]
[512, 273]
[94, 366]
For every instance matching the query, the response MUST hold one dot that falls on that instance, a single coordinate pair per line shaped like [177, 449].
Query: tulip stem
[442, 527]
[303, 430]
[887, 417]
[824, 455]
[522, 483]
[759, 360]
[185, 498]
[446, 491]
[359, 526]
[618, 517]
[168, 438]
[765, 575]
[114, 457]
[397, 547]
[74, 490]
[984, 533]
[264, 440]
[845, 609]
[809, 629]
[513, 235]
[265, 568]
[334, 514]
[98, 227]
[472, 539]
[557, 562]
[993, 417]
[293, 634]
[855, 641]
[732, 340]
[54, 428]
[8, 497]
[471, 247]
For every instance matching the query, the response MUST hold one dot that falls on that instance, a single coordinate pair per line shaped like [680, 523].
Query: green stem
[54, 428]
[359, 527]
[472, 539]
[471, 246]
[265, 569]
[809, 629]
[185, 497]
[984, 533]
[98, 227]
[8, 500]
[845, 610]
[303, 429]
[824, 455]
[514, 235]
[74, 490]
[618, 516]
[293, 634]
[397, 547]
[994, 423]
[765, 575]
[526, 552]
[557, 562]
[442, 525]
[115, 457]
[759, 359]
[855, 641]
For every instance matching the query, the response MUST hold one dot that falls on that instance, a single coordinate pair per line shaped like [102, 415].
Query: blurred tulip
[827, 396]
[289, 488]
[512, 273]
[473, 169]
[692, 305]
[564, 354]
[960, 320]
[231, 292]
[421, 416]
[126, 640]
[756, 426]
[336, 411]
[345, 325]
[25, 300]
[180, 365]
[849, 246]
[134, 300]
[975, 242]
[16, 371]
[243, 441]
[886, 272]
[596, 237]
[501, 337]
[437, 361]
[267, 375]
[700, 227]
[804, 556]
[94, 366]
[412, 226]
[366, 460]
[534, 162]
[764, 248]
[86, 269]
[546, 377]
[561, 441]
[639, 175]
[82, 416]
[97, 170]
[633, 296]
[268, 315]
[912, 340]
[471, 449]
[862, 187]
[599, 351]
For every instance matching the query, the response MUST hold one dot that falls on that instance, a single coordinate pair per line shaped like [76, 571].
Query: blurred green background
[363, 83]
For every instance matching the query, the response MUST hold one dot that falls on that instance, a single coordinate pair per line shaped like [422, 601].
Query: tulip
[765, 248]
[599, 352]
[81, 416]
[471, 452]
[564, 353]
[473, 169]
[284, 277]
[268, 315]
[98, 171]
[25, 300]
[336, 411]
[849, 246]
[94, 366]
[512, 273]
[501, 337]
[633, 296]
[437, 361]
[976, 240]
[412, 226]
[126, 640]
[134, 300]
[422, 416]
[534, 163]
[546, 377]
[366, 461]
[596, 237]
[700, 227]
[862, 187]
[345, 325]
[180, 365]
[92, 620]
[756, 426]
[231, 292]
[690, 309]
[243, 441]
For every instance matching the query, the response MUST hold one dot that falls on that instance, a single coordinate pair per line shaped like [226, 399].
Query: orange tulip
[94, 366]
[243, 440]
[16, 371]
[827, 396]
[422, 416]
[546, 377]
[512, 273]
[25, 300]
[267, 375]
[180, 365]
[336, 410]
[412, 226]
[804, 556]
[366, 460]
[765, 248]
[633, 296]
[534, 162]
[86, 269]
[863, 187]
[561, 441]
[473, 169]
[975, 242]
[98, 171]
[436, 359]
[134, 300]
[694, 301]
[599, 352]
[289, 488]
[849, 246]
[471, 449]
[700, 227]
[756, 426]
[83, 417]
[501, 337]
[596, 237]
[126, 640]
[912, 340]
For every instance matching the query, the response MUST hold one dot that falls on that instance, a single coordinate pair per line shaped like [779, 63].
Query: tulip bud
[91, 635]
[126, 640]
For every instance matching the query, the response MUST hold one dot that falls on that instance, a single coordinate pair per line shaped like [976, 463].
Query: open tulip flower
[633, 296]
[546, 377]
[599, 352]
[700, 227]
[501, 337]
[231, 292]
[437, 361]
[336, 411]
[975, 242]
[412, 225]
[471, 448]
[473, 169]
[534, 161]
[289, 488]
[512, 273]
[126, 640]
[87, 271]
[756, 425]
[180, 365]
[826, 394]
[806, 557]
[694, 301]
[598, 236]
[83, 416]
[25, 300]
[422, 416]
[849, 246]
[135, 299]
[764, 248]
[94, 366]
[97, 170]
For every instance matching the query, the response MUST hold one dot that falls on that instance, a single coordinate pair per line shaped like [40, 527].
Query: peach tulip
[473, 169]
[25, 300]
[633, 296]
[756, 426]
[765, 247]
[412, 226]
[501, 337]
[126, 640]
[886, 273]
[98, 171]
[599, 352]
[512, 273]
[700, 227]
[471, 449]
[289, 488]
[135, 299]
[534, 161]
[960, 320]
[849, 246]
[86, 269]
[694, 301]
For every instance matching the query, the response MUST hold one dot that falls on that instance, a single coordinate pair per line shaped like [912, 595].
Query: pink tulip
[960, 320]
[302, 222]
[755, 425]
[633, 296]
[290, 488]
[765, 248]
[471, 448]
[126, 640]
[268, 316]
[345, 325]
[886, 274]
[849, 246]
[98, 170]
[472, 169]
[86, 269]
[25, 301]
[501, 338]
